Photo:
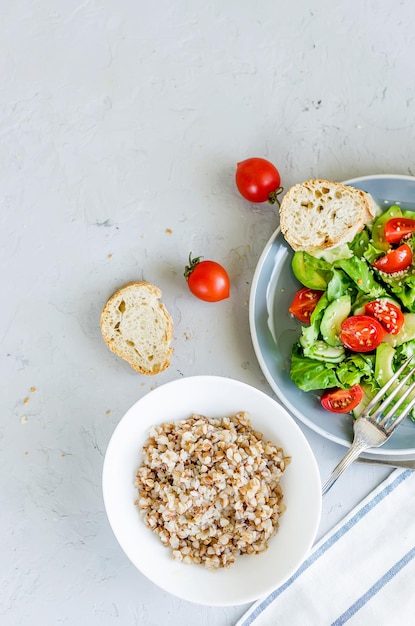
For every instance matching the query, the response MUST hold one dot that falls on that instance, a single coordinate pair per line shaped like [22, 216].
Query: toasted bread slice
[137, 326]
[319, 214]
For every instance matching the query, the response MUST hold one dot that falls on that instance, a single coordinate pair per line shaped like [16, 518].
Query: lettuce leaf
[362, 275]
[355, 369]
[309, 374]
[406, 293]
[360, 243]
[338, 285]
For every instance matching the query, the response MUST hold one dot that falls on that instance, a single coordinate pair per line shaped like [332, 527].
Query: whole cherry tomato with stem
[207, 280]
[258, 180]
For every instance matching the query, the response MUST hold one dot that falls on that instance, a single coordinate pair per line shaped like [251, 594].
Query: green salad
[357, 308]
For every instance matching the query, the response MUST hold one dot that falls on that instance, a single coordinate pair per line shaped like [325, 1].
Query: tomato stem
[192, 264]
[273, 196]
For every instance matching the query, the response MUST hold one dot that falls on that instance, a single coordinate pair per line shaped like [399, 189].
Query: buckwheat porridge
[210, 488]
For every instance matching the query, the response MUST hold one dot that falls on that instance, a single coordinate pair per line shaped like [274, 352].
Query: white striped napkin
[361, 573]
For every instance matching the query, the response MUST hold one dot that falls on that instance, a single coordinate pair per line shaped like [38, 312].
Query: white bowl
[251, 576]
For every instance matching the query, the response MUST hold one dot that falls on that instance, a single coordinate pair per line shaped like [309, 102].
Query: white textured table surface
[120, 127]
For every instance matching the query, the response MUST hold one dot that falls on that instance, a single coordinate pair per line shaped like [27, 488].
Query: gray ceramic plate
[274, 331]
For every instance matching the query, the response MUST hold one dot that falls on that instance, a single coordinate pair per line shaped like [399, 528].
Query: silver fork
[373, 427]
[406, 463]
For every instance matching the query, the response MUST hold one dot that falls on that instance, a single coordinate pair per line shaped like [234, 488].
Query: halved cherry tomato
[207, 280]
[397, 228]
[395, 261]
[387, 313]
[304, 303]
[258, 180]
[342, 400]
[362, 333]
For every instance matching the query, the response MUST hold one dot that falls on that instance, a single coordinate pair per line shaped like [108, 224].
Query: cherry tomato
[362, 333]
[258, 180]
[207, 280]
[304, 303]
[342, 400]
[387, 313]
[395, 261]
[397, 228]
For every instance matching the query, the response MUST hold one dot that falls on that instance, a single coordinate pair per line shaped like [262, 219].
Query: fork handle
[351, 455]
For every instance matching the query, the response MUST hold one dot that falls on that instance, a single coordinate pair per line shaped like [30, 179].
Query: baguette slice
[137, 326]
[318, 214]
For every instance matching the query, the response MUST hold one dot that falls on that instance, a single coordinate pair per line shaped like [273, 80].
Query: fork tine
[396, 390]
[381, 393]
[405, 394]
[410, 406]
[397, 406]
[389, 428]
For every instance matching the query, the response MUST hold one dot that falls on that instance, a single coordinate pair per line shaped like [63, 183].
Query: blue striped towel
[361, 573]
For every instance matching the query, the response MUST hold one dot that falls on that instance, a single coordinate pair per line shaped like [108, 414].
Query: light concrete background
[120, 127]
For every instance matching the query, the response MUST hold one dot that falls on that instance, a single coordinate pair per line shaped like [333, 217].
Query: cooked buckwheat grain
[210, 488]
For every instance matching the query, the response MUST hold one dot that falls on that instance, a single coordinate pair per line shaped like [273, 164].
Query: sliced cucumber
[384, 370]
[322, 351]
[367, 396]
[333, 318]
[383, 363]
[407, 332]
